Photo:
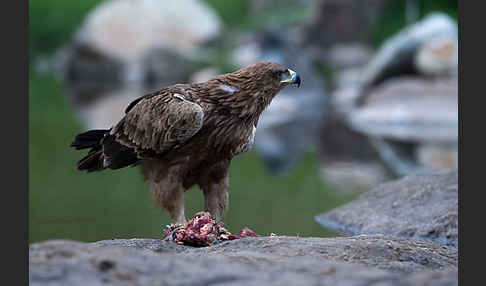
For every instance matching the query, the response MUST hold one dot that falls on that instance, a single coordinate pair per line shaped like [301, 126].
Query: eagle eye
[279, 73]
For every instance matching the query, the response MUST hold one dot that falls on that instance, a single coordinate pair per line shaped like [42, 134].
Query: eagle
[186, 134]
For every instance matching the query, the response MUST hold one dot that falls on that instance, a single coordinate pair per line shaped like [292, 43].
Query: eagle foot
[202, 230]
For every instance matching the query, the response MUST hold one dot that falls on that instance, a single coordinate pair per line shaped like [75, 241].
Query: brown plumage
[187, 134]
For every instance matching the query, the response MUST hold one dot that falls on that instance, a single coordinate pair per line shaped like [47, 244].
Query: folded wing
[159, 123]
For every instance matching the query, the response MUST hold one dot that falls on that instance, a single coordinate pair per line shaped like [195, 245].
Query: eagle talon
[202, 230]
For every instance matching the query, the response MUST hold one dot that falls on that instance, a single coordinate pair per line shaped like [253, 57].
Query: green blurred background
[65, 203]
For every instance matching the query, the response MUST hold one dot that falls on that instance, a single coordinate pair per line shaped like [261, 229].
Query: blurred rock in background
[407, 101]
[101, 106]
[127, 29]
[341, 22]
[413, 112]
[366, 141]
[145, 37]
[426, 48]
[337, 37]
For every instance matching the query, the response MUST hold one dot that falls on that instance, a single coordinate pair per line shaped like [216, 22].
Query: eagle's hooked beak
[294, 78]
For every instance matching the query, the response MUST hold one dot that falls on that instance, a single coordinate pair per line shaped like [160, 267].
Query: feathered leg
[166, 187]
[171, 198]
[215, 186]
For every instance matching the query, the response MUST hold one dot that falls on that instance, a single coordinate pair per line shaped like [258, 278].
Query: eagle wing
[159, 122]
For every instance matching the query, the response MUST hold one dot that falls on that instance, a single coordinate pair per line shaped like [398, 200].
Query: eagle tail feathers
[93, 161]
[89, 139]
[105, 151]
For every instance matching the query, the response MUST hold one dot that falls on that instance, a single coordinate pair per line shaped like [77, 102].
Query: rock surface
[418, 206]
[410, 109]
[274, 260]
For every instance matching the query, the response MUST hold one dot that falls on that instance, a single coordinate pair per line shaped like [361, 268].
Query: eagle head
[248, 91]
[268, 76]
[272, 74]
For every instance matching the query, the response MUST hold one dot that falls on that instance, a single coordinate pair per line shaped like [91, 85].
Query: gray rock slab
[410, 109]
[275, 260]
[421, 206]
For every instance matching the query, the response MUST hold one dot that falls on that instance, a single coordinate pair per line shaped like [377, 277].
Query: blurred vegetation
[52, 23]
[65, 203]
[393, 18]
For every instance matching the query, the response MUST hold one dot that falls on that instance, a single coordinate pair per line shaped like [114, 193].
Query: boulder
[421, 206]
[127, 29]
[404, 100]
[428, 48]
[412, 123]
[142, 41]
[273, 260]
[411, 109]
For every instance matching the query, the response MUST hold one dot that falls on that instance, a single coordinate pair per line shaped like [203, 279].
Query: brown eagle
[187, 134]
